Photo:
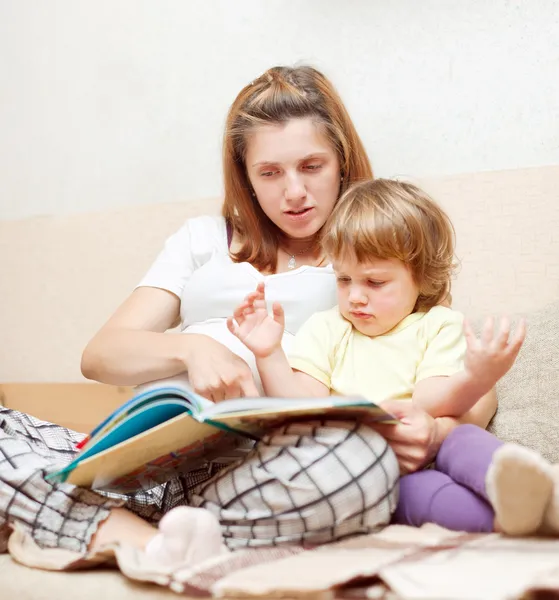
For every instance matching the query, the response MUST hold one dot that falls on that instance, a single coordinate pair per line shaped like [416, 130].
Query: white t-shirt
[195, 266]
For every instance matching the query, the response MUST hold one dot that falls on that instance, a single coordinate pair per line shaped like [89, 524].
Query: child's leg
[432, 497]
[516, 481]
[465, 456]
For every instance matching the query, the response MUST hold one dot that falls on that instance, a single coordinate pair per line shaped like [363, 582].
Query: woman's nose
[294, 188]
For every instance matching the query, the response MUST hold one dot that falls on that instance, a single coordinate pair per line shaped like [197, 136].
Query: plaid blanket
[398, 562]
[304, 483]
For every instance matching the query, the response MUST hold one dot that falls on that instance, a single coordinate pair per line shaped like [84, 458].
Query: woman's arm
[132, 348]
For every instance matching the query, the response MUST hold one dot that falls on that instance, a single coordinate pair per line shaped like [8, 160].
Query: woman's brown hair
[281, 94]
[386, 219]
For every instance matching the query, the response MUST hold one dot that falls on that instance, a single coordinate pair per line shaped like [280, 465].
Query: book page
[236, 405]
[261, 406]
[257, 422]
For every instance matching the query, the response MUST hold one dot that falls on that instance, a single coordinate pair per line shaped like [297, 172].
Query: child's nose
[356, 296]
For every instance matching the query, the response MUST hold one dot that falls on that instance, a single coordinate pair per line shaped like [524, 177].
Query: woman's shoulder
[204, 228]
[200, 236]
[191, 246]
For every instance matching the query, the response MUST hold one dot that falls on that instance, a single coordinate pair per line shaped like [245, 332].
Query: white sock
[186, 536]
[550, 524]
[519, 484]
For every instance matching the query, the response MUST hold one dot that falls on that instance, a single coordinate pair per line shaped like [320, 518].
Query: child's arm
[487, 359]
[280, 380]
[261, 333]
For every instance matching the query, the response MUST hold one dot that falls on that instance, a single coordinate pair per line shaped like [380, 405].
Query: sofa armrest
[77, 406]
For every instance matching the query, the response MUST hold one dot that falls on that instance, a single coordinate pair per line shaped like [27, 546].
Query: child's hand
[251, 323]
[491, 355]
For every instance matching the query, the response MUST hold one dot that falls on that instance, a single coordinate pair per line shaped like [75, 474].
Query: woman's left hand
[415, 439]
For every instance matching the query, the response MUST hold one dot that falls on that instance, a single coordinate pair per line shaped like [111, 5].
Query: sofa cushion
[18, 581]
[528, 395]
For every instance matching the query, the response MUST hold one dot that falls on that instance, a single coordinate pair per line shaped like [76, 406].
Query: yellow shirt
[430, 344]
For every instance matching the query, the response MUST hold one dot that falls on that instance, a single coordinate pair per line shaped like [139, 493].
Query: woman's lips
[299, 215]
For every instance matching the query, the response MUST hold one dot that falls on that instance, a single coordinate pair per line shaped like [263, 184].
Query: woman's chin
[300, 231]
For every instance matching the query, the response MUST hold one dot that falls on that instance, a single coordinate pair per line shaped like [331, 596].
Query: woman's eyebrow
[314, 155]
[264, 162]
[303, 159]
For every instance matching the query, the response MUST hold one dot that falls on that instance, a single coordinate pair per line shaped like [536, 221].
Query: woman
[290, 150]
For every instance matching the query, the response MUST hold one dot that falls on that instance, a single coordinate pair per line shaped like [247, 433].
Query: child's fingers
[518, 336]
[238, 312]
[504, 332]
[232, 326]
[260, 290]
[279, 316]
[487, 331]
[241, 311]
[247, 302]
[251, 298]
[260, 305]
[469, 333]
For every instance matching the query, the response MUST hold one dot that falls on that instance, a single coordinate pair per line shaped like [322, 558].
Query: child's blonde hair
[385, 219]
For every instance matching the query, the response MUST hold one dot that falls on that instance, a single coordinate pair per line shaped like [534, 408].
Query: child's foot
[550, 524]
[519, 484]
[186, 536]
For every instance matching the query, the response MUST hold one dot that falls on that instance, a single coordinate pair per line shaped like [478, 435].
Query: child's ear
[446, 301]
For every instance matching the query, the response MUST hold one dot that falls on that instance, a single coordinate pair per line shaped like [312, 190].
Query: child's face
[375, 296]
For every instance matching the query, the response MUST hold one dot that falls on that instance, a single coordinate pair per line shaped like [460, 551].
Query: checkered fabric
[58, 516]
[304, 483]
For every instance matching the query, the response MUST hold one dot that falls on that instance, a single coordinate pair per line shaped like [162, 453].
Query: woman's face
[295, 174]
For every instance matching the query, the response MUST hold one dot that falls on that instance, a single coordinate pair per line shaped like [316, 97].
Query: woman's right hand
[215, 372]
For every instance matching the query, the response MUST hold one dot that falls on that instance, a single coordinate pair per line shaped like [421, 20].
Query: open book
[168, 429]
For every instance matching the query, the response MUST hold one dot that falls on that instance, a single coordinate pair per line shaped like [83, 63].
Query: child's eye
[343, 280]
[374, 283]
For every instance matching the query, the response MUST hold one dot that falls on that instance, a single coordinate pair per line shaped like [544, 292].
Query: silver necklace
[292, 263]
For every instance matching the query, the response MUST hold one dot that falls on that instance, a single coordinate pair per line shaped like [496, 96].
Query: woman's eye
[269, 171]
[313, 167]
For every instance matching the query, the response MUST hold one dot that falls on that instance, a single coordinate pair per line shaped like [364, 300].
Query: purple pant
[453, 494]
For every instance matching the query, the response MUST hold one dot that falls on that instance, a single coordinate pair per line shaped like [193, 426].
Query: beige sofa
[62, 276]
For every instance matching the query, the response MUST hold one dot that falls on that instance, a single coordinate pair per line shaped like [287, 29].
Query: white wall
[117, 102]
